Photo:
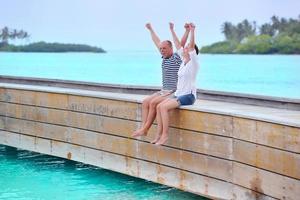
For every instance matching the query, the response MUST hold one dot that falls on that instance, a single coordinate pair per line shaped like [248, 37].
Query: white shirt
[187, 75]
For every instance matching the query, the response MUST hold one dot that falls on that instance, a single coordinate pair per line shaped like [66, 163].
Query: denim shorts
[185, 100]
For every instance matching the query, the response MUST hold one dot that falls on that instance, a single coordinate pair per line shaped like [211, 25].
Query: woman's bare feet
[156, 139]
[139, 132]
[162, 140]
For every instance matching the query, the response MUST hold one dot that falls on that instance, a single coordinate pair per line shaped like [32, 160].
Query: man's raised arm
[154, 37]
[175, 38]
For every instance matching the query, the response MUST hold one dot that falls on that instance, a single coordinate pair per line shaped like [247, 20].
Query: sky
[120, 24]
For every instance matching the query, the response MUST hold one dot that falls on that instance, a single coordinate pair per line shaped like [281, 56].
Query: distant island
[7, 34]
[280, 36]
[51, 47]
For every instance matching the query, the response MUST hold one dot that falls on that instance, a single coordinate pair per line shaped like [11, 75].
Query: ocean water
[26, 175]
[270, 75]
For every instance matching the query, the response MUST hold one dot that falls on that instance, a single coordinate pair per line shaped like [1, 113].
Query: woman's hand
[171, 25]
[148, 26]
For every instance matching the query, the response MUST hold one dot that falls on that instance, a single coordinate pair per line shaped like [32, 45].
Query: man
[170, 65]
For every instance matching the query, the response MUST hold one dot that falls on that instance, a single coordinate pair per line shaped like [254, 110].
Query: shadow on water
[9, 152]
[82, 179]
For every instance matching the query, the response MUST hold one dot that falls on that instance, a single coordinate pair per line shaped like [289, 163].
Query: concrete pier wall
[219, 150]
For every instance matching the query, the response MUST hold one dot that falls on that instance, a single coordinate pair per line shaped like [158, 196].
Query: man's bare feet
[162, 140]
[156, 139]
[139, 132]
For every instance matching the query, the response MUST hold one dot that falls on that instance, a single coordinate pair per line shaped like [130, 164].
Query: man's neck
[169, 56]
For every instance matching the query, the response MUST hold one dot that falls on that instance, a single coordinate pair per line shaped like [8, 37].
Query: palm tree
[246, 29]
[267, 29]
[240, 32]
[229, 31]
[249, 29]
[275, 24]
[14, 34]
[22, 34]
[283, 25]
[6, 34]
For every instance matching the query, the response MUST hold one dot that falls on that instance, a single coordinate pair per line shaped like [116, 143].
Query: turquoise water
[271, 75]
[27, 175]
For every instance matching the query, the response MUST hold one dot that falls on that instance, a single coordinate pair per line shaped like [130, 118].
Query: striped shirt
[170, 67]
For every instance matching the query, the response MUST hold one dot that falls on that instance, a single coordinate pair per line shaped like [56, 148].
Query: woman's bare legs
[164, 114]
[159, 122]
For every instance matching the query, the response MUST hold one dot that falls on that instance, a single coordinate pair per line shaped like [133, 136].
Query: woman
[186, 86]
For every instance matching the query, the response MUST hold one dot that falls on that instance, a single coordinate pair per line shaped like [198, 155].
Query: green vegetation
[51, 47]
[6, 34]
[280, 36]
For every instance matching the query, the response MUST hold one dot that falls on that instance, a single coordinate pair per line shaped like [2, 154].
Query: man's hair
[196, 49]
[169, 43]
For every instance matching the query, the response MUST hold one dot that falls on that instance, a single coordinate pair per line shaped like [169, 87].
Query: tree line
[7, 35]
[279, 36]
[51, 47]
